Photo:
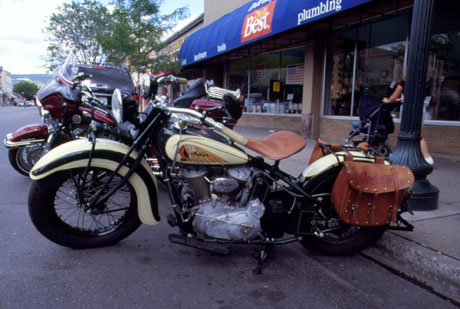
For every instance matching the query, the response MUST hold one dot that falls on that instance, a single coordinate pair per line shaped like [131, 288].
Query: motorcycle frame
[146, 137]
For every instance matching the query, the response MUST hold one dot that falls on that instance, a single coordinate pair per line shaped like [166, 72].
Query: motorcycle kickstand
[261, 257]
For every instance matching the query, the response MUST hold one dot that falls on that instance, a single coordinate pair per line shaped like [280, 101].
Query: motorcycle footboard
[195, 243]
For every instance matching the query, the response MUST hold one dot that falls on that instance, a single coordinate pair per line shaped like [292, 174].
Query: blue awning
[256, 20]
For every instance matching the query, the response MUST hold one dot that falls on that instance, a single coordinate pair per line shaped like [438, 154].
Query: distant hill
[38, 79]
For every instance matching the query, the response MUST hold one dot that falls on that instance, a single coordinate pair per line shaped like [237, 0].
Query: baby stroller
[375, 124]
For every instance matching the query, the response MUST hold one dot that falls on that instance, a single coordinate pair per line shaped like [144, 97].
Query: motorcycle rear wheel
[57, 213]
[345, 240]
[24, 158]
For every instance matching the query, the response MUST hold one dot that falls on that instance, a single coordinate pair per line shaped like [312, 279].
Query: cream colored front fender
[107, 154]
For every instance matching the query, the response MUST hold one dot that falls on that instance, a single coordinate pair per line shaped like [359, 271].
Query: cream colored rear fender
[330, 160]
[107, 154]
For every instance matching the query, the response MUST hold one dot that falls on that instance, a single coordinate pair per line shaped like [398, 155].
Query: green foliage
[26, 89]
[76, 27]
[136, 27]
[127, 35]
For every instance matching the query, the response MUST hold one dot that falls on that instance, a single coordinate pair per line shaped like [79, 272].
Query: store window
[340, 71]
[272, 83]
[365, 60]
[265, 77]
[238, 75]
[292, 75]
[444, 63]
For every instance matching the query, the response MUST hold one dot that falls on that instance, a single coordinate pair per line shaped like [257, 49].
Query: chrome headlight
[117, 106]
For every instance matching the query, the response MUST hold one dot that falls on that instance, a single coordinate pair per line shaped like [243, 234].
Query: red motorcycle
[65, 116]
[77, 94]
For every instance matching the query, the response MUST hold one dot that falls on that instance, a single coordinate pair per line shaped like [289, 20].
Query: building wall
[214, 9]
[292, 123]
[336, 131]
[7, 84]
[174, 46]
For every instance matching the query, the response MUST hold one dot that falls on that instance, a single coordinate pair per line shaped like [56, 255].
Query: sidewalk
[430, 254]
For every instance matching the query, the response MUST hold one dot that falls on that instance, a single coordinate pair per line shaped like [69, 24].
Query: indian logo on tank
[191, 153]
[258, 22]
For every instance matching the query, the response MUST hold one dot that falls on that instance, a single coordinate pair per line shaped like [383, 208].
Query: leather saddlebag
[367, 194]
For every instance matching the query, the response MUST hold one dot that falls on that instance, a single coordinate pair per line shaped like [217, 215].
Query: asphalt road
[146, 271]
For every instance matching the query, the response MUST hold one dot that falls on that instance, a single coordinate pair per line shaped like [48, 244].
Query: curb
[433, 269]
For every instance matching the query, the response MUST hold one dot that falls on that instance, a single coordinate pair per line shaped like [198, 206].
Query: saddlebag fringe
[366, 194]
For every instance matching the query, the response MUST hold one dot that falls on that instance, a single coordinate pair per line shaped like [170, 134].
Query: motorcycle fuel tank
[201, 150]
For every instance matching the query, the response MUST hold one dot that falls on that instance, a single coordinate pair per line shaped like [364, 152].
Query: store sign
[321, 9]
[221, 48]
[259, 70]
[258, 22]
[200, 56]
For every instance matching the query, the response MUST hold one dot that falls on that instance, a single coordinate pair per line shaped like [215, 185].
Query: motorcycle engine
[225, 205]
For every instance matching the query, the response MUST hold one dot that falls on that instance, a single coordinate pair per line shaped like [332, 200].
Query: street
[146, 271]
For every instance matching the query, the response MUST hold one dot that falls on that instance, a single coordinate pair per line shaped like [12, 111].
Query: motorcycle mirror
[149, 86]
[81, 76]
[232, 106]
[144, 83]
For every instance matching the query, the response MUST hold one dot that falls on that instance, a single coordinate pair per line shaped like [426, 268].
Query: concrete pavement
[428, 256]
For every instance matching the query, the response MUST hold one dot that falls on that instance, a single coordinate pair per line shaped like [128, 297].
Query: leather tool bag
[367, 194]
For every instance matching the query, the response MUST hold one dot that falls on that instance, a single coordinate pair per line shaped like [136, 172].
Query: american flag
[295, 74]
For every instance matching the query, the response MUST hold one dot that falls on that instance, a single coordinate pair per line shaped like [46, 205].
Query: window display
[364, 61]
[272, 83]
[370, 59]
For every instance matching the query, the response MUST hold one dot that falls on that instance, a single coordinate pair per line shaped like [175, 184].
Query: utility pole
[407, 152]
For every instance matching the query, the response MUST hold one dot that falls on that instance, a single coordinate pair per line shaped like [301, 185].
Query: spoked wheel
[337, 237]
[24, 158]
[59, 208]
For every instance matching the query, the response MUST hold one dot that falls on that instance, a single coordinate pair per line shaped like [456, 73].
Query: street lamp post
[407, 152]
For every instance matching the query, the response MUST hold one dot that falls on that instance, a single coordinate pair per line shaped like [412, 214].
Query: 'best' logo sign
[258, 23]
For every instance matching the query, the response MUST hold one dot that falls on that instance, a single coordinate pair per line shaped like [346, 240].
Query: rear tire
[24, 158]
[57, 213]
[347, 239]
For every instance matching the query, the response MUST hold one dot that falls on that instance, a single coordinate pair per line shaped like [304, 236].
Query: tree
[26, 89]
[135, 31]
[76, 28]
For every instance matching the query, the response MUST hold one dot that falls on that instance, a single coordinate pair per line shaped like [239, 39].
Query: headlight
[117, 106]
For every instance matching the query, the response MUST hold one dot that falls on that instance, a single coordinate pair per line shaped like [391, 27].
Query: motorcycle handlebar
[172, 79]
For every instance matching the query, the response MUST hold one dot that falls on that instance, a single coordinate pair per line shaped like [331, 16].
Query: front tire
[24, 158]
[58, 213]
[345, 239]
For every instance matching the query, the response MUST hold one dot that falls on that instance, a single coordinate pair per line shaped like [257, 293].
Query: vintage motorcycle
[94, 192]
[65, 116]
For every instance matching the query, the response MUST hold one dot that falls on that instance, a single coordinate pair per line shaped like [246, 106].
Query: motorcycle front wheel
[24, 158]
[341, 239]
[62, 214]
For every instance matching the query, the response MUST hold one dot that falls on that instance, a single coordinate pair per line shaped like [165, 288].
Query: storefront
[304, 65]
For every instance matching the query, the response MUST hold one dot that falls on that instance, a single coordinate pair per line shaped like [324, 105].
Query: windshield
[69, 68]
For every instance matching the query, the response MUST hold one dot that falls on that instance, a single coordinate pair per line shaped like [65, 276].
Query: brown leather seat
[277, 146]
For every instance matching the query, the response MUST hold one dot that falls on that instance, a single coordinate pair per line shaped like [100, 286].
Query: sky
[22, 22]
